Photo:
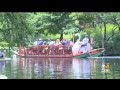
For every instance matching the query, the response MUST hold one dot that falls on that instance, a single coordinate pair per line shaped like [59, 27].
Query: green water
[60, 68]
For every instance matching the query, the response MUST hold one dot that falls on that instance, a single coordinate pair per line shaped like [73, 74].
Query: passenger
[40, 42]
[85, 40]
[70, 43]
[64, 42]
[1, 54]
[57, 42]
[49, 41]
[91, 41]
[69, 46]
[85, 46]
[35, 43]
[44, 43]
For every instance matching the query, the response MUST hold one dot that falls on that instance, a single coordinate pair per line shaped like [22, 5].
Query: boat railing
[48, 50]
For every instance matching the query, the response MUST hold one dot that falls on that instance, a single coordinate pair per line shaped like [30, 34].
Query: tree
[15, 28]
[53, 22]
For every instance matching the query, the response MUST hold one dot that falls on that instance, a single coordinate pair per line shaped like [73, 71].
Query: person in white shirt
[85, 46]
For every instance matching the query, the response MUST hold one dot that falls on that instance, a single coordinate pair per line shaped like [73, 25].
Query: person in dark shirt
[40, 42]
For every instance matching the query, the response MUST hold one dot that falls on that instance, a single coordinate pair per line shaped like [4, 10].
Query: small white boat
[3, 77]
[5, 59]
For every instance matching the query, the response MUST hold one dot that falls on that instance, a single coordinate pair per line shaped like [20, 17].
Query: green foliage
[15, 28]
[4, 45]
[24, 28]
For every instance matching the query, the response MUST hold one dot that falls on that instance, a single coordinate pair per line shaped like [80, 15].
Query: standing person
[85, 46]
[1, 54]
[91, 41]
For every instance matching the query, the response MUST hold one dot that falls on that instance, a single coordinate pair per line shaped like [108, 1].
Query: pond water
[60, 68]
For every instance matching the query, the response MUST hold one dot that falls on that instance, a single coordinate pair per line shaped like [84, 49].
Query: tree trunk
[104, 31]
[61, 36]
[104, 37]
[119, 28]
[93, 24]
[9, 52]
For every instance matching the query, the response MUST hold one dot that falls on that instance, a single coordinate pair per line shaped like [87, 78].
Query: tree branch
[113, 32]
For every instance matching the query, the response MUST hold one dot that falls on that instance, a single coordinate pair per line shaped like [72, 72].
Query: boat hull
[83, 55]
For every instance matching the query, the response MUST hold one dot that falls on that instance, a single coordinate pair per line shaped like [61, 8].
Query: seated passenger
[70, 43]
[64, 42]
[1, 54]
[44, 43]
[51, 43]
[48, 42]
[35, 43]
[57, 42]
[40, 42]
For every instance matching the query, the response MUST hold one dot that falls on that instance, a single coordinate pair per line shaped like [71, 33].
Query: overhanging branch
[113, 32]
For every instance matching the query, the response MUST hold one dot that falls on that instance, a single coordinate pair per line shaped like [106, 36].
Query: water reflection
[2, 67]
[81, 68]
[61, 68]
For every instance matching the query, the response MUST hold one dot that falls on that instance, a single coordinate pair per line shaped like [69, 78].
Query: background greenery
[20, 28]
